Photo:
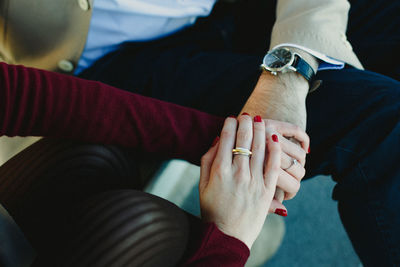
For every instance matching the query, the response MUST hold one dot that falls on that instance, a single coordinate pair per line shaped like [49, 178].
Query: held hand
[293, 158]
[236, 191]
[293, 155]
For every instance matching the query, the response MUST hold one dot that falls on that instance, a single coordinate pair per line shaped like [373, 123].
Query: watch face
[278, 58]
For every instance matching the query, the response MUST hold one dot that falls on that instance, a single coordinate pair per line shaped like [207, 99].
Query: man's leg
[354, 126]
[374, 32]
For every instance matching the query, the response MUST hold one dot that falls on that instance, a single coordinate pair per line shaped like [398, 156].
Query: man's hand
[282, 97]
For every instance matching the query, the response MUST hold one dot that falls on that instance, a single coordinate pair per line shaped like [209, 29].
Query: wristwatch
[281, 60]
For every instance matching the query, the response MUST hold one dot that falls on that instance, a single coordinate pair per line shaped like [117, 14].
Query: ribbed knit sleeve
[41, 103]
[216, 249]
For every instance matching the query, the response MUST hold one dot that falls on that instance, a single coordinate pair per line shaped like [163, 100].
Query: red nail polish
[257, 119]
[245, 113]
[281, 212]
[215, 141]
[309, 150]
[275, 138]
[232, 116]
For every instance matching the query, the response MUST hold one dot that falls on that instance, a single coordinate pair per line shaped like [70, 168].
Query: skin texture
[236, 191]
[283, 98]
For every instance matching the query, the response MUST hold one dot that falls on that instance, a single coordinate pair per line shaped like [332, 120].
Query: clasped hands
[237, 191]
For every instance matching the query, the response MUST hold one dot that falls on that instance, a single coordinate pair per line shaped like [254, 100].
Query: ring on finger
[241, 151]
[292, 163]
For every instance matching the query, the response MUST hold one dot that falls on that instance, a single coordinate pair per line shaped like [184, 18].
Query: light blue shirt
[116, 21]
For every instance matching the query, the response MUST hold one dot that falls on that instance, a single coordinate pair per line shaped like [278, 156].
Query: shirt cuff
[327, 63]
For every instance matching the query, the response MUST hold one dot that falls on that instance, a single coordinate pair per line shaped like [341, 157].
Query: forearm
[278, 97]
[282, 97]
[41, 103]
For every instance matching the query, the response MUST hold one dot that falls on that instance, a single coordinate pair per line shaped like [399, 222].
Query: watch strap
[303, 68]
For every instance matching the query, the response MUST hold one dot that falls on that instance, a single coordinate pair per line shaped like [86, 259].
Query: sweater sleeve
[217, 249]
[40, 103]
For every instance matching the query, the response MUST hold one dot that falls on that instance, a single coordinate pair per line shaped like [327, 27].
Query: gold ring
[241, 151]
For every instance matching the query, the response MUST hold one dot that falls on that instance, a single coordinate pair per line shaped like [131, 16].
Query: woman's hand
[294, 143]
[236, 191]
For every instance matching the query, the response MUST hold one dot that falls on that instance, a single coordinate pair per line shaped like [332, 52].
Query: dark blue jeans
[353, 118]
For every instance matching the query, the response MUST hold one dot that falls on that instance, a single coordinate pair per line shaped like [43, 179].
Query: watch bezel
[283, 68]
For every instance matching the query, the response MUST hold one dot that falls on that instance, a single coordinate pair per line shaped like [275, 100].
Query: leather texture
[76, 205]
[46, 183]
[128, 228]
[304, 68]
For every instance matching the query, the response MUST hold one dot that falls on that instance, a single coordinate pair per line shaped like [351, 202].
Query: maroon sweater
[41, 103]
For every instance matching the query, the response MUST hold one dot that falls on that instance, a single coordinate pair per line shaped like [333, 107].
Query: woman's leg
[43, 185]
[127, 228]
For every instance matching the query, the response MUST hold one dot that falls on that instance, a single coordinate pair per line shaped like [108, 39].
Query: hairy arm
[319, 25]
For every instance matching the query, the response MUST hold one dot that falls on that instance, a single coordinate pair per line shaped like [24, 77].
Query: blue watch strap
[303, 68]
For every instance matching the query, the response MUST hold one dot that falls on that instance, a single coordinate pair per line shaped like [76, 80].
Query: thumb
[206, 164]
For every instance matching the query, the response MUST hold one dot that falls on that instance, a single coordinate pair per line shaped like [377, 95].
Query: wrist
[310, 59]
[290, 83]
[278, 98]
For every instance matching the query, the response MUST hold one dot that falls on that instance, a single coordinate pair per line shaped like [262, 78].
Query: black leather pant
[77, 206]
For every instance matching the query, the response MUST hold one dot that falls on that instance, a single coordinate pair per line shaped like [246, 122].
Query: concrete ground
[314, 233]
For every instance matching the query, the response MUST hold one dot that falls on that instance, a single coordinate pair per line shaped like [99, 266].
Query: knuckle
[269, 187]
[259, 127]
[241, 172]
[275, 168]
[303, 157]
[257, 147]
[289, 196]
[226, 134]
[275, 148]
[221, 172]
[297, 129]
[296, 187]
[243, 135]
[302, 173]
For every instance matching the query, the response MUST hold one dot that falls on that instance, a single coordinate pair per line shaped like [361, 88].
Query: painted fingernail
[257, 119]
[232, 116]
[245, 113]
[281, 212]
[215, 141]
[275, 138]
[309, 150]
